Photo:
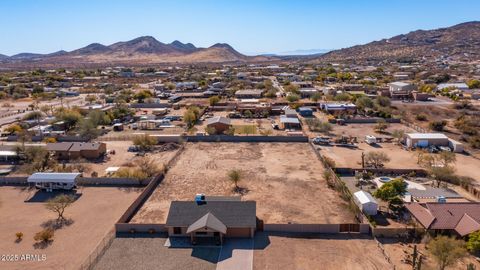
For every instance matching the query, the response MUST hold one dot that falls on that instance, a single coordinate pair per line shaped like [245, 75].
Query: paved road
[236, 254]
[276, 84]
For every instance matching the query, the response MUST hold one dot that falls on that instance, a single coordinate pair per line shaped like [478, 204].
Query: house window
[177, 230]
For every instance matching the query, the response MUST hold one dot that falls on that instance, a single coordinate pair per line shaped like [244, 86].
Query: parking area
[285, 179]
[145, 253]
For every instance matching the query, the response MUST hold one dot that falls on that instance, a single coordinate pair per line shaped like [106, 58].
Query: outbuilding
[365, 202]
[305, 111]
[290, 122]
[423, 140]
[51, 181]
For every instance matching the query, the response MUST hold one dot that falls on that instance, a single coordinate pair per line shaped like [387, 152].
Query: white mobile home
[365, 202]
[51, 181]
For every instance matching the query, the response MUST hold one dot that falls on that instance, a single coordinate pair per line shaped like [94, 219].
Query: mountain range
[141, 50]
[458, 41]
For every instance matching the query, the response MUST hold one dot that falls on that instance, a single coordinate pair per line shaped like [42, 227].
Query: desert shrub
[293, 98]
[45, 235]
[474, 141]
[145, 142]
[318, 126]
[421, 117]
[19, 236]
[473, 243]
[328, 162]
[438, 125]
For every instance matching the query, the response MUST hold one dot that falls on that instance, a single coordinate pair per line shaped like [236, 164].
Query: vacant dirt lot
[338, 252]
[398, 252]
[362, 130]
[93, 213]
[123, 158]
[352, 158]
[284, 178]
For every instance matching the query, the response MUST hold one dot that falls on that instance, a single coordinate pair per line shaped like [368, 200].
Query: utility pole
[363, 160]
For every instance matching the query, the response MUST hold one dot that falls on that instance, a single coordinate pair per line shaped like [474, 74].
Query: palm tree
[235, 176]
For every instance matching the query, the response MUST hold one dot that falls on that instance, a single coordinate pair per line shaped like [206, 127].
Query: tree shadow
[43, 196]
[241, 190]
[57, 224]
[42, 244]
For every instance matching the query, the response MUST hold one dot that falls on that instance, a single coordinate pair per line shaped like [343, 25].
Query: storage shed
[365, 202]
[305, 111]
[423, 140]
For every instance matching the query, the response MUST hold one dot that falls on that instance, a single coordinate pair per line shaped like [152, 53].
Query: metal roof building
[53, 177]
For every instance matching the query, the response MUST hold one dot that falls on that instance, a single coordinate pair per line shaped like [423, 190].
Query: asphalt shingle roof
[233, 214]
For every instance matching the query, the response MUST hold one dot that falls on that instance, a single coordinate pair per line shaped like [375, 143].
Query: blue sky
[250, 26]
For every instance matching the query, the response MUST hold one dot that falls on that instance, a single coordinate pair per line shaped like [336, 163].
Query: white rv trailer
[54, 181]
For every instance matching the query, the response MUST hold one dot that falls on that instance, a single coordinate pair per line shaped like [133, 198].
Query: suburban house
[307, 92]
[458, 218]
[219, 123]
[212, 217]
[182, 86]
[338, 108]
[423, 140]
[249, 93]
[400, 90]
[73, 150]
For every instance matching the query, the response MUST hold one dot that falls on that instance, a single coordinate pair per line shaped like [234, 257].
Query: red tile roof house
[457, 218]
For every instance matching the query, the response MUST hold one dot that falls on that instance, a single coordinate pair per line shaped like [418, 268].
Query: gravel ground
[150, 253]
[336, 252]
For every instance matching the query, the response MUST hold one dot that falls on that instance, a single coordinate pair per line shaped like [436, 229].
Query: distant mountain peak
[93, 48]
[222, 45]
[186, 47]
[458, 41]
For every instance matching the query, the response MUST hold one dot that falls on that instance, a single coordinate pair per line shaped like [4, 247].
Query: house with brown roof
[74, 150]
[219, 123]
[212, 217]
[460, 218]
